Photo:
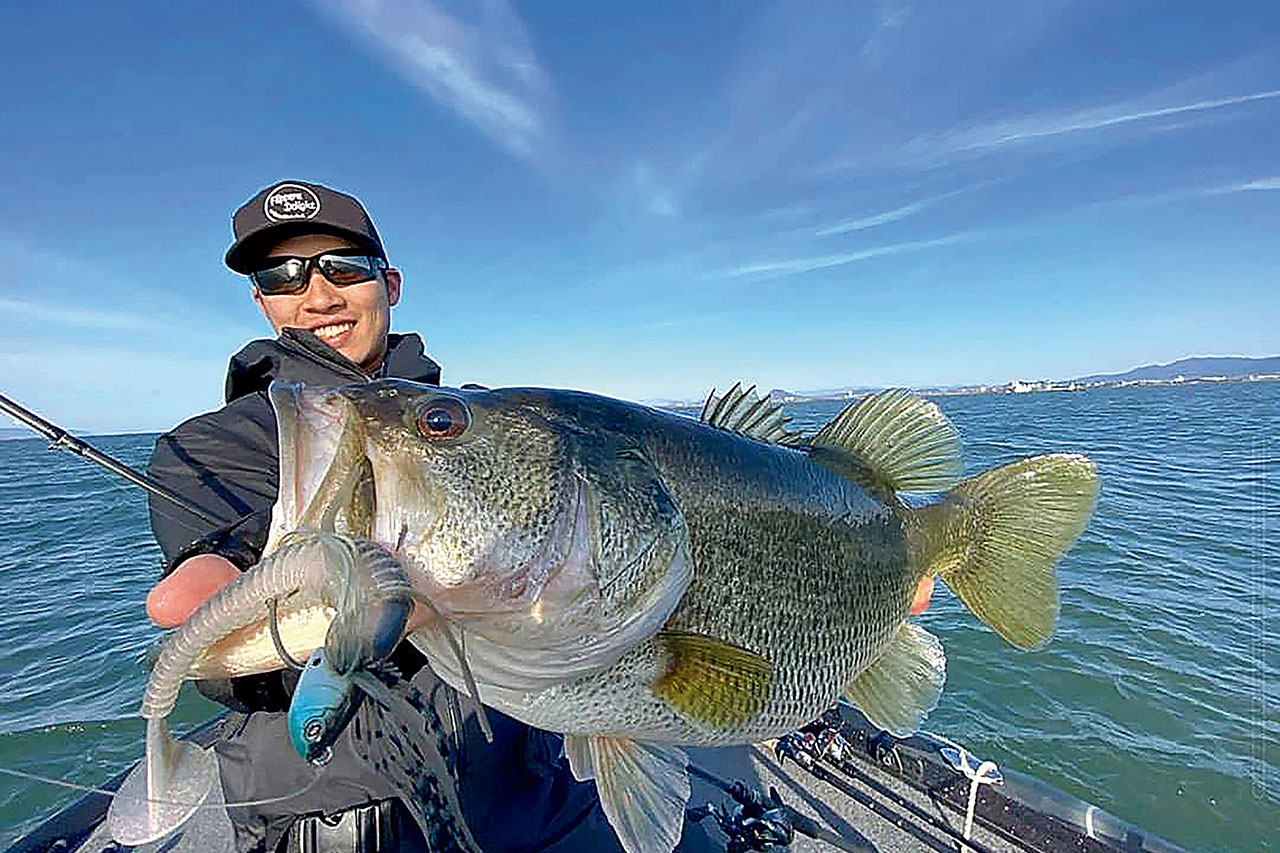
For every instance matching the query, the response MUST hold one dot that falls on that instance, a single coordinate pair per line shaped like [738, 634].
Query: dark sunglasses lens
[282, 278]
[343, 270]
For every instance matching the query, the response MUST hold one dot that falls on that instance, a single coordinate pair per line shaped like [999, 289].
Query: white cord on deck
[986, 773]
[976, 778]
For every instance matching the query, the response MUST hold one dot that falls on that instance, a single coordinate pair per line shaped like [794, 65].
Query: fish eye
[313, 730]
[442, 418]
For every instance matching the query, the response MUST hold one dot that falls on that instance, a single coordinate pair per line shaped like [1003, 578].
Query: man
[320, 277]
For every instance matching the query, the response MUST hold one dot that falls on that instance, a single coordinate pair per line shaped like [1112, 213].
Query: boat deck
[210, 831]
[857, 787]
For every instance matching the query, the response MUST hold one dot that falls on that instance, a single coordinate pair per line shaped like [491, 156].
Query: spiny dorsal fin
[747, 413]
[903, 443]
[715, 683]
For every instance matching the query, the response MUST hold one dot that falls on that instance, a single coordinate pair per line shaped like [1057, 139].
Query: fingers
[920, 602]
[175, 598]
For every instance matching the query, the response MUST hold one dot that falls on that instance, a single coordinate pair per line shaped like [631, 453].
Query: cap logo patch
[291, 201]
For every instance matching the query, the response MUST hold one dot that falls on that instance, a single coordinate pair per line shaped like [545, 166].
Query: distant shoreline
[1016, 387]
[1039, 387]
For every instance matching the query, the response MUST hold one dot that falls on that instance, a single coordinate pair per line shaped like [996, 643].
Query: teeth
[334, 330]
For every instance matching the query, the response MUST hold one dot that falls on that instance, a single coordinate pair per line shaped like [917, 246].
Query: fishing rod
[60, 438]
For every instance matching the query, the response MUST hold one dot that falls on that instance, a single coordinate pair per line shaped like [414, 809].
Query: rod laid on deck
[59, 437]
[799, 822]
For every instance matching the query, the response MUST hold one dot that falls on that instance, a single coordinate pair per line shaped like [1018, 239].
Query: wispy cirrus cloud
[106, 301]
[656, 198]
[1044, 126]
[887, 216]
[809, 264]
[876, 219]
[1260, 184]
[481, 66]
[1188, 194]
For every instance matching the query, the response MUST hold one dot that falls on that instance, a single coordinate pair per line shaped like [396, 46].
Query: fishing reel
[755, 822]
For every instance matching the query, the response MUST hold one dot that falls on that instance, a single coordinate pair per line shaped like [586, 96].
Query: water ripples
[1156, 698]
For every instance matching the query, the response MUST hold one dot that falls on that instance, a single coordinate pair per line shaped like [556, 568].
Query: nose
[321, 296]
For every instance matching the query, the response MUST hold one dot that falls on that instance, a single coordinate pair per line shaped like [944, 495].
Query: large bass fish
[638, 580]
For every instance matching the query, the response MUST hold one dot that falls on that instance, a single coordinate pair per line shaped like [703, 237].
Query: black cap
[290, 208]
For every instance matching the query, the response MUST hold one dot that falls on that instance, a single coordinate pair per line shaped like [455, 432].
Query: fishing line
[115, 489]
[60, 439]
[460, 651]
[89, 789]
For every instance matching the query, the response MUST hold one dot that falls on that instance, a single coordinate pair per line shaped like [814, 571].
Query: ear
[392, 276]
[262, 306]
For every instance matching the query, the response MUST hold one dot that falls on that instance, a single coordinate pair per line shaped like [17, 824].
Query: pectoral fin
[712, 682]
[643, 788]
[899, 689]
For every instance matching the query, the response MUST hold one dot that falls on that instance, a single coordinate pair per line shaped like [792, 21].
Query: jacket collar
[299, 356]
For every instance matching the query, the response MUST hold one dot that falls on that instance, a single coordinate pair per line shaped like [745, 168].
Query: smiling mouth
[333, 332]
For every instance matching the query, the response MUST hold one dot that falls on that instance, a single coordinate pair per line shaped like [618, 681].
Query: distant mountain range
[1194, 368]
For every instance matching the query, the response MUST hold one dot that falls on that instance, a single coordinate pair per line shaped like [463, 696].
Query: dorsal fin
[899, 441]
[747, 413]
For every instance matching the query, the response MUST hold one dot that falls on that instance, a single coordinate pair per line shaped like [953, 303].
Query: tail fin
[164, 790]
[996, 537]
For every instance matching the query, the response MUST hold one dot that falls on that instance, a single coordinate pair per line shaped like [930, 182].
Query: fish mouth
[326, 482]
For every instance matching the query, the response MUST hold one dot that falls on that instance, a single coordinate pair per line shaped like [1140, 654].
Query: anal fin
[903, 685]
[164, 790]
[643, 788]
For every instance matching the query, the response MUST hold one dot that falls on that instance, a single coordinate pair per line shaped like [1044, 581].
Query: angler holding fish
[320, 276]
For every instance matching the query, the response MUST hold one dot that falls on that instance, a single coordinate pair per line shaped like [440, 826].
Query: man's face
[354, 319]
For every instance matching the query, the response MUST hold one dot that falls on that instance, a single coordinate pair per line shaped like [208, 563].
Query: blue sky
[650, 202]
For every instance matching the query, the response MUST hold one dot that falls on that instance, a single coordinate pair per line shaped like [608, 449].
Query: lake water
[1156, 699]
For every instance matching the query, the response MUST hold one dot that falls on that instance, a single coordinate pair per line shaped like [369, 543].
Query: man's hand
[920, 603]
[175, 598]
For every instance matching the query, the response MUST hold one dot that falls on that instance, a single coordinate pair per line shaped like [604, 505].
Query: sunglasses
[291, 274]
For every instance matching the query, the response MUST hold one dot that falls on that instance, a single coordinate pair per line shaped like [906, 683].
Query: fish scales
[759, 517]
[638, 580]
